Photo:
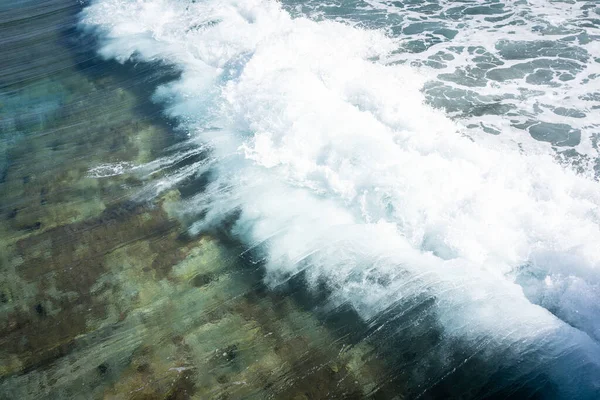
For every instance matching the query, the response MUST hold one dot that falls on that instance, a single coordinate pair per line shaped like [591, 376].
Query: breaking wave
[335, 168]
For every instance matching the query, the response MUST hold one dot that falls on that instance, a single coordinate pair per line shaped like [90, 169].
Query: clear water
[423, 175]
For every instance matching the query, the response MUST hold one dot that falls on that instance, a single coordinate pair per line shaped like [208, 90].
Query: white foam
[338, 169]
[526, 22]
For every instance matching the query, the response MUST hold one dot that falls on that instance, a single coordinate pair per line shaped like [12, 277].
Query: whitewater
[333, 162]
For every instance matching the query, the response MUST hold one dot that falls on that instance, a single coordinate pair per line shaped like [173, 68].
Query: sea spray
[335, 168]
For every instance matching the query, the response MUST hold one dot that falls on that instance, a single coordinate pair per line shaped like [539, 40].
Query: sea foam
[335, 168]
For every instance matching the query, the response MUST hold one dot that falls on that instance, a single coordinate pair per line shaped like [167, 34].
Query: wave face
[335, 168]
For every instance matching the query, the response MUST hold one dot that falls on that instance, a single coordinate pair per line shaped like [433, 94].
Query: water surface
[254, 199]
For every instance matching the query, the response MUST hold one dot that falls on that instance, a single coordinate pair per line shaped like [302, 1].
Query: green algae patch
[147, 314]
[200, 263]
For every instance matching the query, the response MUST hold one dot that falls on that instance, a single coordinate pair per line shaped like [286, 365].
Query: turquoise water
[259, 199]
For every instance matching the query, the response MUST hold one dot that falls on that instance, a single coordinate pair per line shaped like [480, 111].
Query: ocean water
[420, 175]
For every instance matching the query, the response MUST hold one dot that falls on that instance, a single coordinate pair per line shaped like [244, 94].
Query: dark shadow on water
[141, 79]
[421, 361]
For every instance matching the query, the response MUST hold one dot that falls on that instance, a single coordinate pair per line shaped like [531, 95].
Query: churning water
[433, 164]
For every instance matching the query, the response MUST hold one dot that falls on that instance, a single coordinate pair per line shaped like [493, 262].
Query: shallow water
[252, 199]
[107, 296]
